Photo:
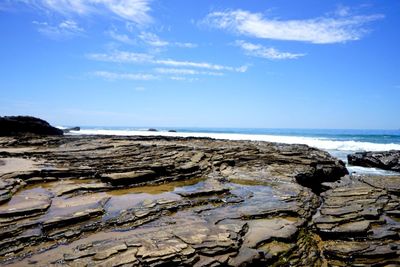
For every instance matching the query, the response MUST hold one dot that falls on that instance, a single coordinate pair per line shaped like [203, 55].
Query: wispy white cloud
[133, 10]
[116, 76]
[64, 29]
[152, 39]
[203, 65]
[187, 72]
[122, 57]
[185, 45]
[342, 11]
[182, 78]
[124, 76]
[120, 37]
[320, 30]
[131, 57]
[258, 50]
[70, 25]
[136, 11]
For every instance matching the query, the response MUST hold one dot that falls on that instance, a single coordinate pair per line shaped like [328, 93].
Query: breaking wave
[317, 142]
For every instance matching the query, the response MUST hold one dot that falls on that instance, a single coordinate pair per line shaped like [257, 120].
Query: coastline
[147, 200]
[321, 142]
[336, 147]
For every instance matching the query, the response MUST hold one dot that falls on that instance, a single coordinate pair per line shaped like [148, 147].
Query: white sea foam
[61, 127]
[321, 143]
[369, 171]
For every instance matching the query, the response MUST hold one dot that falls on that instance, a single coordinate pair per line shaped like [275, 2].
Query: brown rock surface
[150, 201]
[359, 221]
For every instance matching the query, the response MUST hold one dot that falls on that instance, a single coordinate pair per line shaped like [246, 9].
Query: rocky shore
[386, 160]
[159, 201]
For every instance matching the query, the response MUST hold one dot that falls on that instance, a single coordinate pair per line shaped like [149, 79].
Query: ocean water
[338, 142]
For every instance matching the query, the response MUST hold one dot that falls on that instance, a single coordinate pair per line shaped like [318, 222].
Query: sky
[202, 63]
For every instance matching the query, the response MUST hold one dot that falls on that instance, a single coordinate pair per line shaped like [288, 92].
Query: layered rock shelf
[160, 201]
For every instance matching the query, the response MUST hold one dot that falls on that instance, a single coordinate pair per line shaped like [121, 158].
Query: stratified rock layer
[387, 160]
[151, 201]
[359, 222]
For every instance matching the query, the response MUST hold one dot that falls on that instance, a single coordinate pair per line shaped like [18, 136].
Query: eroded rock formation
[359, 221]
[151, 201]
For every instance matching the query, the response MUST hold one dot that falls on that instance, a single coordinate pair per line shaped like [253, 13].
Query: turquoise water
[373, 136]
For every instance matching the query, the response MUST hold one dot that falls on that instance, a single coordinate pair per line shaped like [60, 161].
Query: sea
[338, 142]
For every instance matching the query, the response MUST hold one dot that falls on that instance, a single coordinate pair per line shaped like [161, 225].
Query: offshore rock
[21, 125]
[151, 201]
[387, 160]
[68, 130]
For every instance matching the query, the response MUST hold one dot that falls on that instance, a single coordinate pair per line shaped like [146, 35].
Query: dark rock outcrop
[386, 160]
[22, 125]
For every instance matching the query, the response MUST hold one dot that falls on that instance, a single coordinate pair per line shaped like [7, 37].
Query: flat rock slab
[69, 211]
[26, 203]
[10, 165]
[203, 189]
[352, 228]
[73, 186]
[133, 177]
[390, 183]
[265, 230]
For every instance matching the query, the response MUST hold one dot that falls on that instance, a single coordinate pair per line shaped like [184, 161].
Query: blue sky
[266, 64]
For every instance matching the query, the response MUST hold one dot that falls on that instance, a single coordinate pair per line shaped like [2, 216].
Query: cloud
[185, 45]
[152, 39]
[181, 78]
[186, 75]
[124, 76]
[342, 11]
[122, 57]
[136, 11]
[64, 29]
[187, 72]
[320, 30]
[70, 25]
[204, 65]
[258, 50]
[123, 38]
[131, 57]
